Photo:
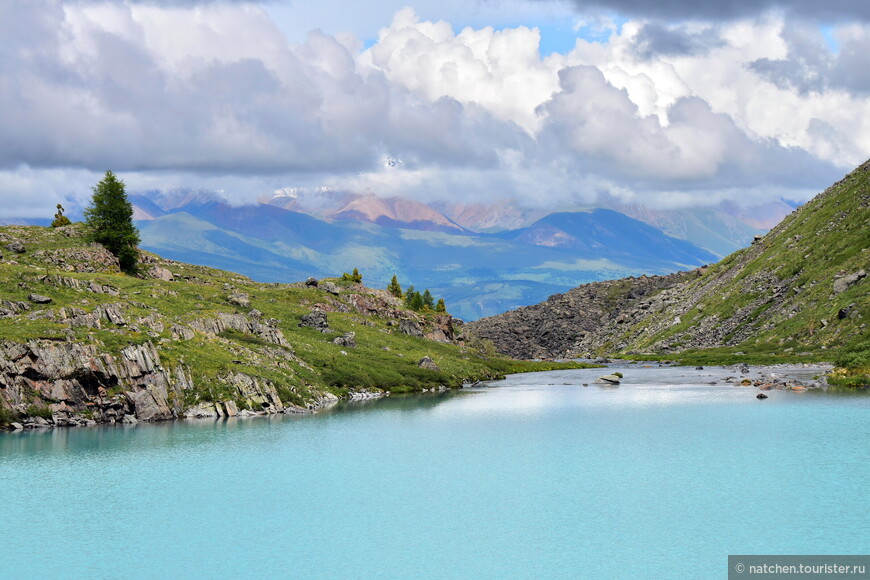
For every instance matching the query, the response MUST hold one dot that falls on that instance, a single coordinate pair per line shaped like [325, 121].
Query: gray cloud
[811, 66]
[601, 129]
[829, 11]
[656, 38]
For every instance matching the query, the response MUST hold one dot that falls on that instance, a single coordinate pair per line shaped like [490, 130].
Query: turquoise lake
[532, 477]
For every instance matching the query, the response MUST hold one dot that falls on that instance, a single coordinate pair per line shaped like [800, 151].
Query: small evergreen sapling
[60, 220]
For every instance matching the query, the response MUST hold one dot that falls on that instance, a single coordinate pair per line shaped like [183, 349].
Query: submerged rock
[607, 380]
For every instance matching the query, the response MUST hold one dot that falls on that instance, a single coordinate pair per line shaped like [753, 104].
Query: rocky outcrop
[844, 283]
[410, 327]
[239, 299]
[575, 321]
[315, 319]
[239, 323]
[79, 384]
[75, 384]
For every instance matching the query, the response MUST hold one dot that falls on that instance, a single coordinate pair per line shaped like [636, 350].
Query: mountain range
[293, 236]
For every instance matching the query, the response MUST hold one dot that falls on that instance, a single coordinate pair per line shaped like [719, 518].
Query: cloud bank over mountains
[671, 104]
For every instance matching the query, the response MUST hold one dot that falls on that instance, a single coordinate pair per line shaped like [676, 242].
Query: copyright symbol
[739, 567]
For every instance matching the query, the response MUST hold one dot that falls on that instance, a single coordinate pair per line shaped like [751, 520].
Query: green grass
[310, 366]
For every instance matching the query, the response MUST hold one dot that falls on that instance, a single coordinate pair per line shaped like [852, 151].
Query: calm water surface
[532, 477]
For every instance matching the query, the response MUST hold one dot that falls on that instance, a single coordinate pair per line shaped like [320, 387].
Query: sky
[673, 103]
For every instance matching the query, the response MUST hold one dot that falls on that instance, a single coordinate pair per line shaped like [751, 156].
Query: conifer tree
[416, 302]
[440, 307]
[428, 300]
[395, 288]
[409, 296]
[60, 220]
[110, 220]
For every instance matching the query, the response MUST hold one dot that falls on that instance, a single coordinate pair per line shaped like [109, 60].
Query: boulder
[843, 284]
[39, 299]
[427, 363]
[239, 299]
[315, 319]
[330, 287]
[312, 282]
[16, 247]
[607, 380]
[760, 396]
[162, 274]
[409, 327]
[348, 340]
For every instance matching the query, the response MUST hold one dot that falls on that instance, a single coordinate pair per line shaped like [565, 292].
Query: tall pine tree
[110, 220]
[395, 288]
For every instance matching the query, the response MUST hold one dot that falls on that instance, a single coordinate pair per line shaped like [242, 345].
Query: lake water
[532, 477]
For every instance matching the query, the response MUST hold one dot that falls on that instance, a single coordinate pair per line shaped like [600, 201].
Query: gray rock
[239, 299]
[607, 380]
[843, 284]
[130, 419]
[315, 319]
[39, 299]
[348, 340]
[427, 363]
[312, 282]
[16, 247]
[409, 327]
[760, 396]
[162, 274]
[112, 313]
[16, 426]
[330, 287]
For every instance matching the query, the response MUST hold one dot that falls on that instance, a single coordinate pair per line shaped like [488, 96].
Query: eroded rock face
[84, 383]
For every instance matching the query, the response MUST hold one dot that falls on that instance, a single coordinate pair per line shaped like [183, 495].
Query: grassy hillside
[799, 293]
[209, 327]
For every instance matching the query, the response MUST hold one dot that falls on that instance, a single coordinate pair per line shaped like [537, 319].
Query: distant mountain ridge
[477, 274]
